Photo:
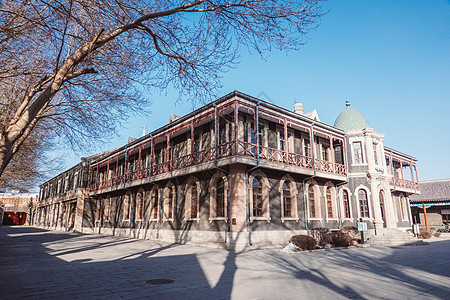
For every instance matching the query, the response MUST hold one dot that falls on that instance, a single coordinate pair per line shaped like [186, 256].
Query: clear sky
[390, 58]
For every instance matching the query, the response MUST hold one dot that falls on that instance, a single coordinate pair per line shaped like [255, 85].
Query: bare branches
[74, 65]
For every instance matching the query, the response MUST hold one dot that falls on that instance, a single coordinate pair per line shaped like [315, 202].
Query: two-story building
[242, 173]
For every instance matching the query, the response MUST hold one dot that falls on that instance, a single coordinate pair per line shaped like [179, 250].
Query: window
[282, 142]
[154, 204]
[404, 207]
[126, 208]
[170, 203]
[287, 201]
[107, 210]
[220, 199]
[139, 206]
[382, 204]
[375, 154]
[257, 197]
[357, 151]
[363, 204]
[311, 201]
[346, 204]
[194, 201]
[329, 203]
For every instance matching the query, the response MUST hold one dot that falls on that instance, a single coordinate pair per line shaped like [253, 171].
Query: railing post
[236, 127]
[333, 164]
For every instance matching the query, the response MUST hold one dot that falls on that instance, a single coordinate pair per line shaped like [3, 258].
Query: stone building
[243, 173]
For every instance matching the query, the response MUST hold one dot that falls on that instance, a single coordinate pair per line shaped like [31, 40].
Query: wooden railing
[226, 150]
[403, 183]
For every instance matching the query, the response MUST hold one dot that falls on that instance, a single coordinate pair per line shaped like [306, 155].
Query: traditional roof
[351, 119]
[432, 191]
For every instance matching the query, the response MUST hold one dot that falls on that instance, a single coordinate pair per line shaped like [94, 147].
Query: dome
[351, 119]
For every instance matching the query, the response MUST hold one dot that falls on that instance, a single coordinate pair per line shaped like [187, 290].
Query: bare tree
[81, 66]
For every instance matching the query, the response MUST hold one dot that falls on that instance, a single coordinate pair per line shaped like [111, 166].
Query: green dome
[351, 119]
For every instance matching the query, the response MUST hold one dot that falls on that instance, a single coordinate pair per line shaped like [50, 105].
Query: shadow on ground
[42, 264]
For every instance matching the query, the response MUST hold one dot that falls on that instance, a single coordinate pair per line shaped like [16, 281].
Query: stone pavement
[42, 264]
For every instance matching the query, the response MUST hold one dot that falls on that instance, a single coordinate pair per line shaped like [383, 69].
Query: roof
[351, 119]
[433, 190]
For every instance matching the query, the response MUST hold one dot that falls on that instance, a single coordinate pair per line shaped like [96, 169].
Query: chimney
[298, 108]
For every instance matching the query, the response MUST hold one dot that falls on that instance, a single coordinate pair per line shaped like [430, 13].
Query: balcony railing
[226, 150]
[403, 183]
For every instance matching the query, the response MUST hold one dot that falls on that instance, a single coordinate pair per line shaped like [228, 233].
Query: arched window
[107, 210]
[126, 207]
[287, 200]
[363, 204]
[220, 199]
[194, 201]
[346, 204]
[170, 202]
[311, 201]
[257, 197]
[154, 204]
[329, 203]
[403, 207]
[139, 206]
[382, 204]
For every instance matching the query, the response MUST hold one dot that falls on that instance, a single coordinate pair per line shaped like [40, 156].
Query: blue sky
[390, 58]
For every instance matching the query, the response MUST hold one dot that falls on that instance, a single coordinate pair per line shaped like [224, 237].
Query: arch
[330, 200]
[288, 196]
[218, 195]
[169, 201]
[346, 204]
[362, 195]
[154, 203]
[192, 195]
[258, 189]
[106, 209]
[140, 204]
[127, 206]
[381, 199]
[312, 191]
[403, 207]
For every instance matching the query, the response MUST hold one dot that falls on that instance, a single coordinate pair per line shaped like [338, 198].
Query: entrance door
[383, 213]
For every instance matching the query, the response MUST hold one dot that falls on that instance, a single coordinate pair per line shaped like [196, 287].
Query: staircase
[395, 237]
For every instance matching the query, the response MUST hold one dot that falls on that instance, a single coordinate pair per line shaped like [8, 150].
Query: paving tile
[67, 266]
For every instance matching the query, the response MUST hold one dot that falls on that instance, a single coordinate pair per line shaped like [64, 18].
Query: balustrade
[226, 150]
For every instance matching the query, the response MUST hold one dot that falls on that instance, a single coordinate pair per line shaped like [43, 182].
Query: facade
[16, 207]
[242, 173]
[431, 209]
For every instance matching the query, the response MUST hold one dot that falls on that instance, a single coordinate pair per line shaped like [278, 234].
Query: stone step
[394, 237]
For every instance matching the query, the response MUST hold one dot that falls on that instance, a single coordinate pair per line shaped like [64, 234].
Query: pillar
[238, 198]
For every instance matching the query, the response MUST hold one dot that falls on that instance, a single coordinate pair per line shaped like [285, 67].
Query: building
[243, 173]
[431, 208]
[16, 207]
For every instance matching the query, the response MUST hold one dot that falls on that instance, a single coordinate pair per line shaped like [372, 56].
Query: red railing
[227, 150]
[403, 183]
[324, 166]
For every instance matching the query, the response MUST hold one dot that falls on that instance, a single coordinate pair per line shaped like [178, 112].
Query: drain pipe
[305, 204]
[313, 150]
[151, 159]
[339, 203]
[248, 171]
[222, 170]
[215, 135]
[160, 212]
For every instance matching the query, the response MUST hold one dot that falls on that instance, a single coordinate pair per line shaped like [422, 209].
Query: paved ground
[41, 264]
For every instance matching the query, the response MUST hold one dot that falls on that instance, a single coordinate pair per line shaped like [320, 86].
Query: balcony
[404, 185]
[227, 153]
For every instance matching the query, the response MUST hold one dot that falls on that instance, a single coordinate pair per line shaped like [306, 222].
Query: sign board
[416, 229]
[362, 226]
